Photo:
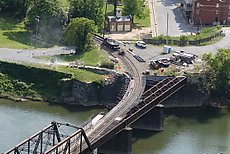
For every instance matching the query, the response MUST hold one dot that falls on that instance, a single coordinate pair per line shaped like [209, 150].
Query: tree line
[49, 19]
[218, 73]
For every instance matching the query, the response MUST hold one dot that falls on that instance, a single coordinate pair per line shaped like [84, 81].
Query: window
[217, 5]
[198, 11]
[217, 11]
[198, 5]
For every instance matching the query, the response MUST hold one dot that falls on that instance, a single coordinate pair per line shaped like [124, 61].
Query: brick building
[210, 12]
[119, 23]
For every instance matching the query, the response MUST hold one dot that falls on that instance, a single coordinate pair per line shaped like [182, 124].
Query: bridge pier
[153, 120]
[119, 144]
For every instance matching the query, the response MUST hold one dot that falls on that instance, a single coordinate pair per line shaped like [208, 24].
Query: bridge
[136, 102]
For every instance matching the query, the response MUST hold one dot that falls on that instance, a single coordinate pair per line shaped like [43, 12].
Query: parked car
[126, 42]
[141, 44]
[164, 62]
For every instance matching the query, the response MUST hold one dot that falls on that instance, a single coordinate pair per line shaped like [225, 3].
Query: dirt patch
[135, 34]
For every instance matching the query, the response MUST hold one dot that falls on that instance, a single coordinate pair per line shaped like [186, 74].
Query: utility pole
[37, 20]
[106, 5]
[115, 8]
[167, 28]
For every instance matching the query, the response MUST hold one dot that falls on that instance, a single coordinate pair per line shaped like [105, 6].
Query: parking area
[177, 23]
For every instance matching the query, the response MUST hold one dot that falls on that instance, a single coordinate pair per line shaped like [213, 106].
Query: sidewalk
[154, 26]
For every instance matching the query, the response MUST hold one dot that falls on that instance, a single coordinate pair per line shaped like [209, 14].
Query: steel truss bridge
[136, 102]
[50, 139]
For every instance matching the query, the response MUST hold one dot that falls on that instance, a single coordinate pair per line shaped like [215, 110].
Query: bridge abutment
[153, 120]
[119, 144]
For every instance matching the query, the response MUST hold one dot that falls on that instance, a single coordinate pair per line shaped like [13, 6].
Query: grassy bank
[92, 57]
[20, 81]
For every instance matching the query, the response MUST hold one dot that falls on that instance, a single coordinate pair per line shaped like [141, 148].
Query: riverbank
[23, 82]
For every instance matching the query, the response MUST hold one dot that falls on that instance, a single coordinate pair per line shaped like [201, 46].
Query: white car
[141, 44]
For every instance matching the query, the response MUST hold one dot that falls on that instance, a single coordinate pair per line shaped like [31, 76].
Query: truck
[112, 44]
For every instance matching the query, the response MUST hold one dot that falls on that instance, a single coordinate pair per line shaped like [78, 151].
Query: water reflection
[20, 120]
[187, 131]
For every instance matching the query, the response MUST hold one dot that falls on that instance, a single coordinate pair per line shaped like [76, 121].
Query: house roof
[119, 19]
[188, 1]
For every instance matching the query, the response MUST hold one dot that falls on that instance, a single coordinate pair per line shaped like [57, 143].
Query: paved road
[154, 52]
[29, 56]
[177, 24]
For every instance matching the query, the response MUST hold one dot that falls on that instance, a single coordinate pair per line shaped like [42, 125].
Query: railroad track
[104, 129]
[107, 123]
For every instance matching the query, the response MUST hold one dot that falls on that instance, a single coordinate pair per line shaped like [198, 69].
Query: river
[187, 131]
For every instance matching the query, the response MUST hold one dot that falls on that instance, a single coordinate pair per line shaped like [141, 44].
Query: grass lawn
[204, 33]
[93, 57]
[13, 34]
[82, 75]
[143, 22]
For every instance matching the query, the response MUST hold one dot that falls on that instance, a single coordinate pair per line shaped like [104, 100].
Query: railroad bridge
[116, 121]
[140, 99]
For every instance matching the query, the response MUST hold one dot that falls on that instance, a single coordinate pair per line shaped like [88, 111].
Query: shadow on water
[77, 108]
[201, 115]
[141, 134]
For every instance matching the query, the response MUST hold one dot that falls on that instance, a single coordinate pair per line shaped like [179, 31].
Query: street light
[104, 26]
[37, 20]
[167, 28]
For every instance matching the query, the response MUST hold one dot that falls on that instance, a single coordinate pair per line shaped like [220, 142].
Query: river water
[187, 131]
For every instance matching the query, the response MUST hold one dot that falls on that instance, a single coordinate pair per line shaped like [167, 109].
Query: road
[154, 52]
[177, 23]
[29, 56]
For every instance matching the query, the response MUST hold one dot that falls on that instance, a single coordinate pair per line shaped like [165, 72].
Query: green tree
[91, 9]
[79, 33]
[16, 8]
[46, 17]
[133, 8]
[219, 72]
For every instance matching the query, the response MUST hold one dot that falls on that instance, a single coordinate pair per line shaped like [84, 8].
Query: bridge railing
[164, 89]
[39, 142]
[156, 97]
[70, 144]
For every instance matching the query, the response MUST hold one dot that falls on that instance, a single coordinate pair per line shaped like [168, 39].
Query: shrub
[107, 64]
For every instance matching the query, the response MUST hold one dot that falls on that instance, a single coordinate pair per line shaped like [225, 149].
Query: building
[210, 12]
[187, 7]
[119, 23]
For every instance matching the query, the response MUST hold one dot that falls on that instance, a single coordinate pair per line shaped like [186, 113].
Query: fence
[183, 42]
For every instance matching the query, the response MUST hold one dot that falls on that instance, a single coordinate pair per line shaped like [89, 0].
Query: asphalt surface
[155, 52]
[30, 56]
[151, 52]
[177, 24]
